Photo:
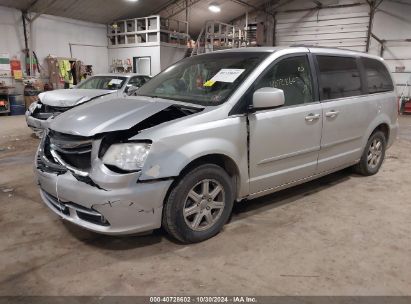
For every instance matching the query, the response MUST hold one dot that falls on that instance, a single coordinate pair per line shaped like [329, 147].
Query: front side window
[339, 77]
[102, 83]
[292, 75]
[204, 80]
[378, 77]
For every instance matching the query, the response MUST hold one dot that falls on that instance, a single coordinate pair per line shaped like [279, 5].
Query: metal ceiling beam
[245, 4]
[31, 5]
[281, 4]
[374, 4]
[178, 6]
[43, 10]
[163, 7]
[255, 8]
[318, 3]
[262, 8]
[400, 2]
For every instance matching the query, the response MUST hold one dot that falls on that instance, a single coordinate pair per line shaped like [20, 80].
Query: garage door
[398, 58]
[342, 27]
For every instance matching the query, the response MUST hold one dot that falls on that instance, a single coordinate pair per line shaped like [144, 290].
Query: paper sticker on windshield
[227, 75]
[115, 81]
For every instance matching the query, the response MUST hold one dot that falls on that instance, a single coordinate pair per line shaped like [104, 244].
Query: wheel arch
[383, 127]
[380, 123]
[221, 160]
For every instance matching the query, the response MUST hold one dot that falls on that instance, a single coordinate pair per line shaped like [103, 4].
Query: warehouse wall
[11, 30]
[392, 22]
[124, 53]
[52, 35]
[170, 55]
[161, 56]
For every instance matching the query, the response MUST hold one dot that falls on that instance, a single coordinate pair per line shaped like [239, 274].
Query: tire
[373, 155]
[191, 214]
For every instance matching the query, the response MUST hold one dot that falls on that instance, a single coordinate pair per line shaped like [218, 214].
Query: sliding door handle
[332, 114]
[311, 117]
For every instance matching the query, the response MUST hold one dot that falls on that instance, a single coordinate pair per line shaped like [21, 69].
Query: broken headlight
[127, 156]
[33, 106]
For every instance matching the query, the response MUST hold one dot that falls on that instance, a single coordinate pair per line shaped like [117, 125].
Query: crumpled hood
[106, 116]
[70, 97]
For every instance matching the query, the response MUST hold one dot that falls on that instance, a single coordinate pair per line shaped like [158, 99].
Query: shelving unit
[251, 31]
[152, 30]
[118, 66]
[218, 36]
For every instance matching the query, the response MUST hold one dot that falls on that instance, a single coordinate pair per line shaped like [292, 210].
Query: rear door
[347, 112]
[285, 141]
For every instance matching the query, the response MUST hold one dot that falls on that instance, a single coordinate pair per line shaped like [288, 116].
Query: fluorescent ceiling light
[214, 8]
[132, 0]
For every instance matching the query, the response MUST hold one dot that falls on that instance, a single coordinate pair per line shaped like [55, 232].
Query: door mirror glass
[268, 98]
[131, 90]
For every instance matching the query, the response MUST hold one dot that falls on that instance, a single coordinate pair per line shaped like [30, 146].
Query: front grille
[46, 111]
[86, 214]
[74, 150]
[51, 109]
[48, 166]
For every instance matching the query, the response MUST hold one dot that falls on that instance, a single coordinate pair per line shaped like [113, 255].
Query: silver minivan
[214, 129]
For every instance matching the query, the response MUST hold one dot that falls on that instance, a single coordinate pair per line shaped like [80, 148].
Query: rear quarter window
[338, 76]
[377, 75]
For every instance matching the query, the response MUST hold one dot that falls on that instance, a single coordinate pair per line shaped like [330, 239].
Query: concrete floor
[340, 235]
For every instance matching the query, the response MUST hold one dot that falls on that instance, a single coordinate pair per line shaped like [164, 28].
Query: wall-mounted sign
[5, 62]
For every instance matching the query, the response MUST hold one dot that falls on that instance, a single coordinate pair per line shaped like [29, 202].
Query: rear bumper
[394, 129]
[119, 205]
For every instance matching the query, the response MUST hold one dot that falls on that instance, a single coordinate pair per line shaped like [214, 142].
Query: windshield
[103, 83]
[204, 80]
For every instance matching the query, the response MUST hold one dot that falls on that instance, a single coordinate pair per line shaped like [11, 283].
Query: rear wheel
[199, 204]
[373, 154]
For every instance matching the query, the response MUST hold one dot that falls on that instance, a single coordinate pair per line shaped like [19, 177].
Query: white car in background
[52, 103]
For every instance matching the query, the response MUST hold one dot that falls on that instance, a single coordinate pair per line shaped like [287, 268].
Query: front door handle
[311, 117]
[332, 114]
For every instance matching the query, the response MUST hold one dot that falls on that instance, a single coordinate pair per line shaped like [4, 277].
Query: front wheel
[373, 155]
[199, 204]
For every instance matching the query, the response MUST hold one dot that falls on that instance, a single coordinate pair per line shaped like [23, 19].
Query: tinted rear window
[378, 77]
[339, 77]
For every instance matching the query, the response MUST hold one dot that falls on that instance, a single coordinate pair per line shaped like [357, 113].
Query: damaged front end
[51, 104]
[80, 185]
[38, 114]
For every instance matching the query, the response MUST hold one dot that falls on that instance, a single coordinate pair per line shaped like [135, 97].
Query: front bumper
[116, 204]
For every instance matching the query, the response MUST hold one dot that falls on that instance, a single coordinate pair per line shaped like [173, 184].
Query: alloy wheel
[374, 153]
[204, 204]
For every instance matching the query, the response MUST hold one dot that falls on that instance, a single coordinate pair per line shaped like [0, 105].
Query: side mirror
[268, 98]
[131, 90]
